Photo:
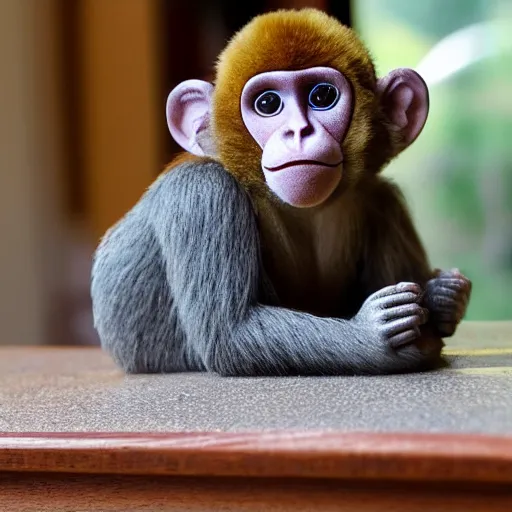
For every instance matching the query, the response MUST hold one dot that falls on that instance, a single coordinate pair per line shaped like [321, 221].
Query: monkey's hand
[446, 297]
[394, 314]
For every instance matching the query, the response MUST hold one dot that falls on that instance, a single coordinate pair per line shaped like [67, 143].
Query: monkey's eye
[323, 97]
[268, 104]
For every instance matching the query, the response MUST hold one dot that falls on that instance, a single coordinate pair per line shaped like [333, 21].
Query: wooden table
[81, 436]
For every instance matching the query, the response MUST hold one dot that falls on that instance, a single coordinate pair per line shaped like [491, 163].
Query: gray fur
[176, 286]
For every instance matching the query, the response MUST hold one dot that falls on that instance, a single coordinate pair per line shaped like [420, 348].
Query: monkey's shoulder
[199, 184]
[199, 172]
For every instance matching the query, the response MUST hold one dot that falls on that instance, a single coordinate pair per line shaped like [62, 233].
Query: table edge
[280, 454]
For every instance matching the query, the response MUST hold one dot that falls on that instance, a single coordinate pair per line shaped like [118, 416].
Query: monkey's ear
[405, 101]
[188, 116]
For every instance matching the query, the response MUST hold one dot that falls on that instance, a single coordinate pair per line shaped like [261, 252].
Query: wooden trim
[21, 492]
[112, 493]
[284, 454]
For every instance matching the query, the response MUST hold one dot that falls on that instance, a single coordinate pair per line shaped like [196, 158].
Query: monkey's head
[297, 108]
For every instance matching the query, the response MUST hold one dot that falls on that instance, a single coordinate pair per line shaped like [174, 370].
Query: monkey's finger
[398, 299]
[406, 310]
[444, 291]
[444, 301]
[456, 308]
[404, 338]
[450, 282]
[448, 273]
[397, 288]
[402, 324]
[455, 274]
[438, 302]
[448, 305]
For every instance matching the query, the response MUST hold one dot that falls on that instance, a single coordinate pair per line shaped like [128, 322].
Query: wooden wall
[119, 79]
[31, 166]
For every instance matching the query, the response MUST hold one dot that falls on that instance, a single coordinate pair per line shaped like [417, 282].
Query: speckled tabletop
[80, 389]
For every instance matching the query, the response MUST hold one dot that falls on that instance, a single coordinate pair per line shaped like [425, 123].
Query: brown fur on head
[295, 40]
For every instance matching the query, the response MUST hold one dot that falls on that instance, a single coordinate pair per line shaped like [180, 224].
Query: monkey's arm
[206, 229]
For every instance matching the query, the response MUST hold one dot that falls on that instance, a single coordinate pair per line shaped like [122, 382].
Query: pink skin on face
[302, 157]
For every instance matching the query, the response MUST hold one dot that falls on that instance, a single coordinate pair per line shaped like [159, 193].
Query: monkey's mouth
[295, 163]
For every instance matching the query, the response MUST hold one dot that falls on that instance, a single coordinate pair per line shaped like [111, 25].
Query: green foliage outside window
[458, 175]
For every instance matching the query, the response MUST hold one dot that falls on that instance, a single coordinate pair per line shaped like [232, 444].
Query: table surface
[45, 389]
[70, 410]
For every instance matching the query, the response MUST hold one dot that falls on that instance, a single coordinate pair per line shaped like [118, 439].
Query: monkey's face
[297, 111]
[299, 119]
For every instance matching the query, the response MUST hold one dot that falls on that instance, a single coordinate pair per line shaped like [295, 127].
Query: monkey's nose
[297, 132]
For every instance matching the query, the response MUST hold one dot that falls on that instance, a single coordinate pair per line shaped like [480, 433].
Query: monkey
[273, 246]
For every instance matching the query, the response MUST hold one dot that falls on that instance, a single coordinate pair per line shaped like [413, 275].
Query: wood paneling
[31, 161]
[119, 53]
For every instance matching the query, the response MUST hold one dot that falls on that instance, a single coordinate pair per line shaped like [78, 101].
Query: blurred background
[82, 134]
